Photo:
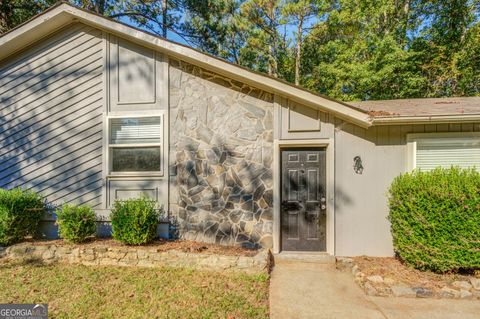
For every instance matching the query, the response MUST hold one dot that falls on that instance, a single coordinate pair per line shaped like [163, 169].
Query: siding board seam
[30, 74]
[57, 76]
[92, 86]
[90, 128]
[45, 132]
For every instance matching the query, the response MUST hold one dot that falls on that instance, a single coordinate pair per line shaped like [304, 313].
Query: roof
[63, 14]
[421, 107]
[381, 110]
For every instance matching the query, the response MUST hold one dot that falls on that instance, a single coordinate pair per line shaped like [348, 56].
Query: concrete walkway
[316, 290]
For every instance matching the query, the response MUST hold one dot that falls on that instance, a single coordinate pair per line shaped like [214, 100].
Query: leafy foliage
[435, 218]
[76, 223]
[20, 214]
[15, 12]
[134, 221]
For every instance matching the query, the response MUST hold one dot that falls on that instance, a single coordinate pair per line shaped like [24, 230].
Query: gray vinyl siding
[51, 104]
[361, 210]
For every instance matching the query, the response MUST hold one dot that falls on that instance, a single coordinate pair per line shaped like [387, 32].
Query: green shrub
[435, 219]
[20, 214]
[76, 223]
[134, 221]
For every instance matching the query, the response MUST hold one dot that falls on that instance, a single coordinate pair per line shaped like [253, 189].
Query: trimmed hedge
[76, 223]
[20, 214]
[134, 221]
[435, 219]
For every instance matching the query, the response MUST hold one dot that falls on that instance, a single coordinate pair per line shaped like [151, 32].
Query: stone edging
[102, 254]
[379, 286]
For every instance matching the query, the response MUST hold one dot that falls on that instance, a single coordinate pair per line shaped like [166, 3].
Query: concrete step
[308, 257]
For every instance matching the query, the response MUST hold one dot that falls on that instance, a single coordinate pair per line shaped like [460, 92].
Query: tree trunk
[100, 6]
[164, 18]
[298, 54]
[406, 17]
[272, 52]
[5, 13]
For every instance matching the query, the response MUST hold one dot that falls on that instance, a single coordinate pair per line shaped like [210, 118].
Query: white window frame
[109, 146]
[413, 138]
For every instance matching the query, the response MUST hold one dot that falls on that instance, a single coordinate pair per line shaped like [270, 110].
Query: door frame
[328, 143]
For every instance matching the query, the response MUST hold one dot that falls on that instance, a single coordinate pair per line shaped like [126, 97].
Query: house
[93, 111]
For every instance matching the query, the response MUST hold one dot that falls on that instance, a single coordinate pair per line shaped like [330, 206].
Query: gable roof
[63, 14]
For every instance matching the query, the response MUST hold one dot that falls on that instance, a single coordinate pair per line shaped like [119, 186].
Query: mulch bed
[161, 245]
[389, 267]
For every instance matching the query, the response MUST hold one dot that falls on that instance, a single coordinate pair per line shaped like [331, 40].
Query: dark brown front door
[303, 199]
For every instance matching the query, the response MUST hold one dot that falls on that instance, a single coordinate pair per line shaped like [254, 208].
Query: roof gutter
[428, 119]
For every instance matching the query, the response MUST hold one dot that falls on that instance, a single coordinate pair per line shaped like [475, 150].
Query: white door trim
[330, 172]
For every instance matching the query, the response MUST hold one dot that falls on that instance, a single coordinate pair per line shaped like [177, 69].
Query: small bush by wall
[435, 219]
[76, 223]
[20, 213]
[134, 221]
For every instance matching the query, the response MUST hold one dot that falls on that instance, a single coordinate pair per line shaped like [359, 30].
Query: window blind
[142, 130]
[446, 152]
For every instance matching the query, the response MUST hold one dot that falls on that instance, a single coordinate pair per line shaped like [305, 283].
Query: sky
[173, 36]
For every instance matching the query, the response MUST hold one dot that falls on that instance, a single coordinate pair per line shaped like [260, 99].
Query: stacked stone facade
[96, 254]
[221, 155]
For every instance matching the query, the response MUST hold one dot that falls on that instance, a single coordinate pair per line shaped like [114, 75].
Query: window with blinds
[135, 144]
[459, 151]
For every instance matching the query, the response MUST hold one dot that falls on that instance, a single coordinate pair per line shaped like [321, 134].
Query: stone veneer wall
[221, 154]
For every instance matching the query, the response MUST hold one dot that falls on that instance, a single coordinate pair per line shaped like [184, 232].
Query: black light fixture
[357, 164]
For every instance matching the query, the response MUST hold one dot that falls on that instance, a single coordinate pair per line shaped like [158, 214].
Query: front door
[303, 202]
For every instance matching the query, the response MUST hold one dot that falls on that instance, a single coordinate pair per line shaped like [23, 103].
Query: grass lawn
[76, 291]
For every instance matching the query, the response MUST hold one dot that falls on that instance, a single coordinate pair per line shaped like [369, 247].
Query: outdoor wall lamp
[357, 165]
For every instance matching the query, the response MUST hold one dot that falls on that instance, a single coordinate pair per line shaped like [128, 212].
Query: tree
[264, 20]
[155, 16]
[466, 63]
[245, 32]
[357, 52]
[299, 13]
[215, 26]
[441, 43]
[15, 12]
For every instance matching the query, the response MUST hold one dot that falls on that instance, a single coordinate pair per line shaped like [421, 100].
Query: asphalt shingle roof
[421, 107]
